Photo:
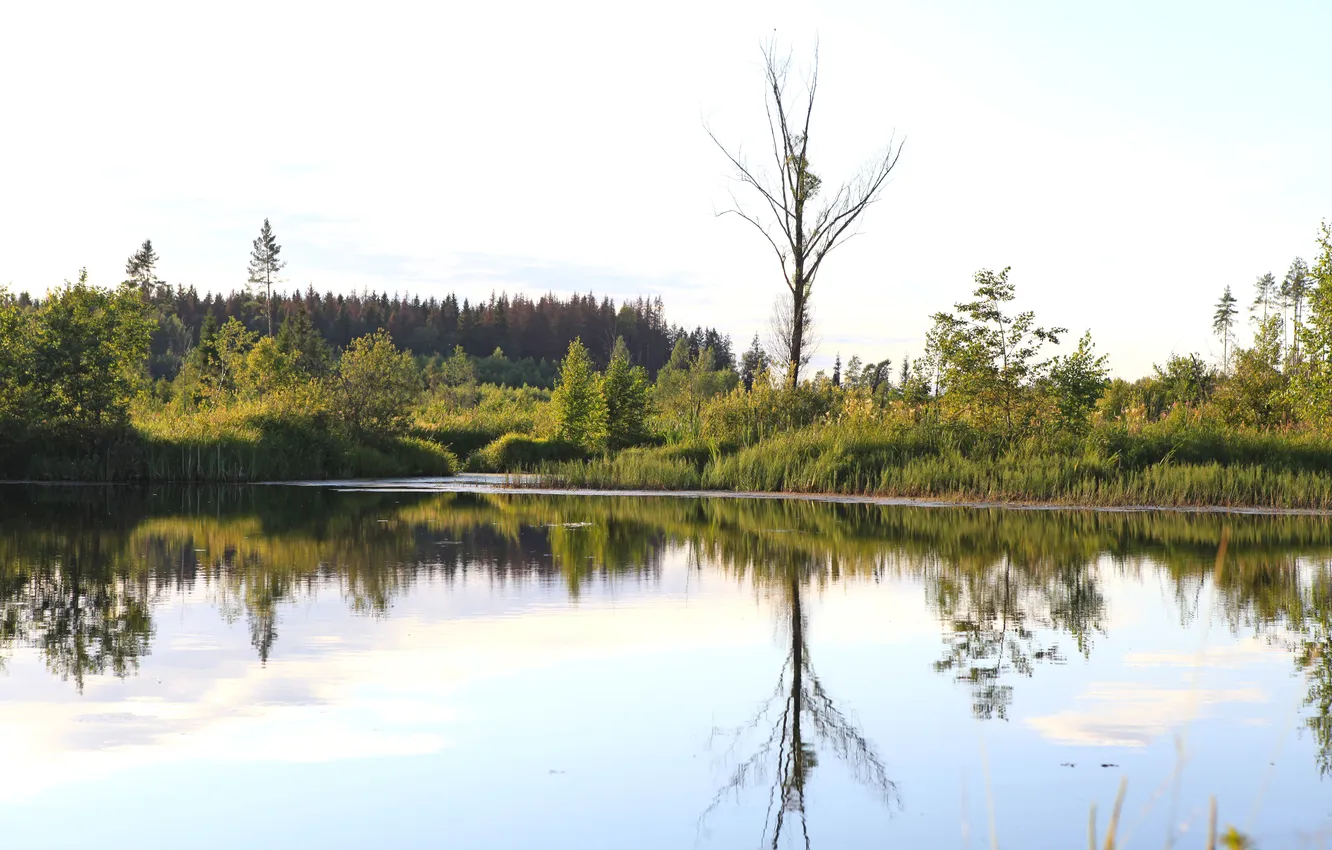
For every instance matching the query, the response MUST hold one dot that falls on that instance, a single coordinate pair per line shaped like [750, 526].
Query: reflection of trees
[804, 717]
[81, 568]
[993, 615]
[79, 608]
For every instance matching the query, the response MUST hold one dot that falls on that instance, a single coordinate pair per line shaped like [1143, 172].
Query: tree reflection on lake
[84, 571]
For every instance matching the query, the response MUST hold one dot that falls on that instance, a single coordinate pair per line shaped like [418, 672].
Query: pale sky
[1127, 160]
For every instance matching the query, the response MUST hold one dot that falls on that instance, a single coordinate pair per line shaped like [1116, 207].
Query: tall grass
[1111, 467]
[244, 441]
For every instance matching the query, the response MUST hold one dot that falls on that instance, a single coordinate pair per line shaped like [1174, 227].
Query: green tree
[264, 268]
[376, 385]
[1295, 290]
[1265, 296]
[458, 370]
[231, 349]
[686, 383]
[989, 360]
[580, 407]
[1223, 324]
[300, 340]
[1185, 380]
[19, 393]
[1079, 380]
[90, 354]
[625, 388]
[753, 362]
[141, 270]
[267, 369]
[1312, 385]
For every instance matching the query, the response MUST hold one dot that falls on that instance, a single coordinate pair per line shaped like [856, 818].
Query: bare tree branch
[809, 232]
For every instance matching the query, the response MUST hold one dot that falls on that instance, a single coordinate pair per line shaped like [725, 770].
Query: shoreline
[496, 483]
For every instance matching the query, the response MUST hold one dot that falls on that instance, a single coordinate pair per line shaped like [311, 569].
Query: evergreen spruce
[264, 268]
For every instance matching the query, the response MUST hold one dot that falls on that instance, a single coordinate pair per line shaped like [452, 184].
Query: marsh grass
[1110, 467]
[245, 441]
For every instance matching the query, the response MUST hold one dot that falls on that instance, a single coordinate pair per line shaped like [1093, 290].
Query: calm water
[303, 666]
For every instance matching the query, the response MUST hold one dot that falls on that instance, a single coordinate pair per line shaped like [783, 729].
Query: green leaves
[376, 386]
[625, 389]
[989, 361]
[580, 407]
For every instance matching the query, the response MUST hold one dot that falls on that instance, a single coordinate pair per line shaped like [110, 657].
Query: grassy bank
[251, 441]
[1110, 466]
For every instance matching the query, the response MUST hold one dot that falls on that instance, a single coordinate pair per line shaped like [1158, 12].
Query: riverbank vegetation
[990, 410]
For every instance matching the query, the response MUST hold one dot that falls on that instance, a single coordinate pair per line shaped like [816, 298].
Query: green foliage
[77, 362]
[685, 385]
[456, 371]
[466, 419]
[988, 361]
[375, 386]
[1186, 380]
[309, 354]
[265, 264]
[520, 453]
[1078, 381]
[1223, 323]
[580, 407]
[625, 389]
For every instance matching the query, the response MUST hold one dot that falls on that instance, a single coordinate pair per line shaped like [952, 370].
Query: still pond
[410, 665]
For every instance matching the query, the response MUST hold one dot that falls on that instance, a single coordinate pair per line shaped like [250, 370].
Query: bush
[376, 386]
[521, 453]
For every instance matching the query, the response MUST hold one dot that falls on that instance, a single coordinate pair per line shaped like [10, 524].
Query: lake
[401, 665]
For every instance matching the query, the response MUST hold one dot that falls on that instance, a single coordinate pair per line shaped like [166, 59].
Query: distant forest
[532, 335]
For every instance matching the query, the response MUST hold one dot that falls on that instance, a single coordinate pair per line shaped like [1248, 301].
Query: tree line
[521, 328]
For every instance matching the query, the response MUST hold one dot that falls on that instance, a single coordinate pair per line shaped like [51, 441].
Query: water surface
[311, 666]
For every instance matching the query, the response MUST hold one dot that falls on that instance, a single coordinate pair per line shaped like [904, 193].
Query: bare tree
[801, 232]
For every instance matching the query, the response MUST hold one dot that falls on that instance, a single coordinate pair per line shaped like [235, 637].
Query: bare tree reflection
[805, 719]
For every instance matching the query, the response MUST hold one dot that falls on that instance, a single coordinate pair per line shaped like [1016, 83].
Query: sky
[1127, 160]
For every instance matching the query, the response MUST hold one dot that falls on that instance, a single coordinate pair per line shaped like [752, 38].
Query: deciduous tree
[580, 407]
[800, 221]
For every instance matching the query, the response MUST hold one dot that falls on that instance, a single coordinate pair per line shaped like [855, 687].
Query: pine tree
[1265, 291]
[140, 269]
[754, 362]
[1295, 287]
[837, 371]
[1223, 323]
[264, 267]
[302, 341]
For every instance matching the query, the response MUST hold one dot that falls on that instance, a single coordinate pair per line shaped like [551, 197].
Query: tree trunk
[798, 306]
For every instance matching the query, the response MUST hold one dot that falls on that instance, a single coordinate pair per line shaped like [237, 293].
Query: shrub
[518, 453]
[376, 386]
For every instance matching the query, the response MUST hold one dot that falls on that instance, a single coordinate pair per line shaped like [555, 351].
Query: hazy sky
[1127, 160]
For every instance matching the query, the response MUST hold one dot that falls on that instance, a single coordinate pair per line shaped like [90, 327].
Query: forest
[148, 382]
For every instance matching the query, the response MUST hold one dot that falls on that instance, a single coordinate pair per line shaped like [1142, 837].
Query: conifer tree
[1223, 323]
[140, 269]
[754, 362]
[264, 268]
[299, 339]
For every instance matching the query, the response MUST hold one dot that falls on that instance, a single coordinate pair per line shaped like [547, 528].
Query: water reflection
[84, 571]
[801, 718]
